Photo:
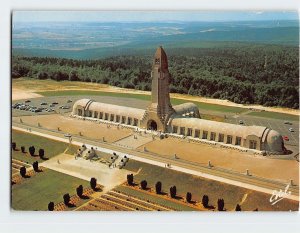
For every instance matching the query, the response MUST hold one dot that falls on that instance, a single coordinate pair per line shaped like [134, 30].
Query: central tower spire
[160, 97]
[160, 107]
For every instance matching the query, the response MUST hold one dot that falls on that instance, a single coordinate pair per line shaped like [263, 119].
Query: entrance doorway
[152, 125]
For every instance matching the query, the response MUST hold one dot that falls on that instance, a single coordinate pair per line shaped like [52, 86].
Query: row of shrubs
[23, 169]
[173, 192]
[31, 150]
[79, 192]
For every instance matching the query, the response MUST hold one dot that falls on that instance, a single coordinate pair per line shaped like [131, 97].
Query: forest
[252, 74]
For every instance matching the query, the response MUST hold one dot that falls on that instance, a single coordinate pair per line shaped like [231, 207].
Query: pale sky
[119, 16]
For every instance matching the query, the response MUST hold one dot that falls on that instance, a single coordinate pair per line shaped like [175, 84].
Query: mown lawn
[51, 147]
[275, 115]
[37, 191]
[198, 186]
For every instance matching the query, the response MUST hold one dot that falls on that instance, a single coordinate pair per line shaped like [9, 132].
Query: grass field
[36, 192]
[232, 195]
[51, 147]
[275, 115]
[50, 85]
[174, 101]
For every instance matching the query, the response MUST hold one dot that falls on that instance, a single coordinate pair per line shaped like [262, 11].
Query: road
[274, 124]
[223, 175]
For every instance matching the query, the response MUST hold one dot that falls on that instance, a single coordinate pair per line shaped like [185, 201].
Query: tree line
[266, 75]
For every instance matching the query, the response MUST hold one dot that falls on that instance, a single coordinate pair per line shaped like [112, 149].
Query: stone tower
[160, 108]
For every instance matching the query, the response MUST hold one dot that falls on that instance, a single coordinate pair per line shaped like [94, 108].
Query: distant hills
[97, 40]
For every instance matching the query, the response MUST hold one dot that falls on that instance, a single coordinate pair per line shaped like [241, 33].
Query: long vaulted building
[183, 119]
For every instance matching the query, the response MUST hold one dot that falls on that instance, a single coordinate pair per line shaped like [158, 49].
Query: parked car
[64, 107]
[291, 130]
[69, 101]
[44, 103]
[241, 122]
[22, 107]
[16, 105]
[286, 138]
[27, 101]
[54, 103]
[287, 123]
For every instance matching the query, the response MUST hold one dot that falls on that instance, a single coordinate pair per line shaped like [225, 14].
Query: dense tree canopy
[266, 75]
